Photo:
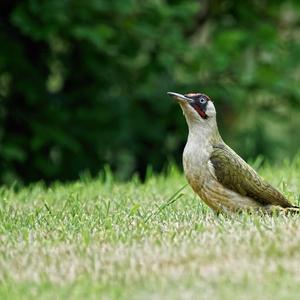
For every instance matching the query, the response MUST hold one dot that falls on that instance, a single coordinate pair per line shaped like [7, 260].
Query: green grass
[102, 239]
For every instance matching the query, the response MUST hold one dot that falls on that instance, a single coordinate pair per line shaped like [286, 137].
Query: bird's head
[197, 108]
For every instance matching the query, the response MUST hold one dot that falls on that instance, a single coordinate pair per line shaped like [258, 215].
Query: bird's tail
[292, 210]
[279, 210]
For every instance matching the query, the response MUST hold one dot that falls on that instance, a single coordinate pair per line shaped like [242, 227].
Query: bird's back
[235, 174]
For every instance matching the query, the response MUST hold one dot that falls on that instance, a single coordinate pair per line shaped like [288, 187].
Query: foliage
[93, 239]
[83, 83]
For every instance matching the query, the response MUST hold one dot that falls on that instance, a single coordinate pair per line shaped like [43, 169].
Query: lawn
[98, 238]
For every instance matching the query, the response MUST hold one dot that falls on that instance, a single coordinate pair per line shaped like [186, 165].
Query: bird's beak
[179, 97]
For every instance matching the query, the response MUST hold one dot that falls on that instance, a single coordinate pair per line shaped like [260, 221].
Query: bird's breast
[195, 164]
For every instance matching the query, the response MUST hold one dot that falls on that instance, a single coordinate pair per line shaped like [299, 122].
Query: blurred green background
[83, 83]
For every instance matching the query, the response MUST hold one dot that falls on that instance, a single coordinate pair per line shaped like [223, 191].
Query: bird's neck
[201, 133]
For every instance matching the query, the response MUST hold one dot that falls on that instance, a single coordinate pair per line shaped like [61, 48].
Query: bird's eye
[202, 100]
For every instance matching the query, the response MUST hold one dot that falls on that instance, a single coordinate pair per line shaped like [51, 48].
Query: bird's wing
[234, 173]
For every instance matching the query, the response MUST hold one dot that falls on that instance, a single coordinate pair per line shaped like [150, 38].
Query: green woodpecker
[222, 179]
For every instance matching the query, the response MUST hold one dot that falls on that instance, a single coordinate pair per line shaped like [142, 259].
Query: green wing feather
[234, 173]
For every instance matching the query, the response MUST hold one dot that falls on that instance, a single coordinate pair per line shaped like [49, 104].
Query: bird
[216, 173]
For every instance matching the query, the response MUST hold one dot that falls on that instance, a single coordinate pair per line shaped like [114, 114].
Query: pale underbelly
[205, 185]
[218, 197]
